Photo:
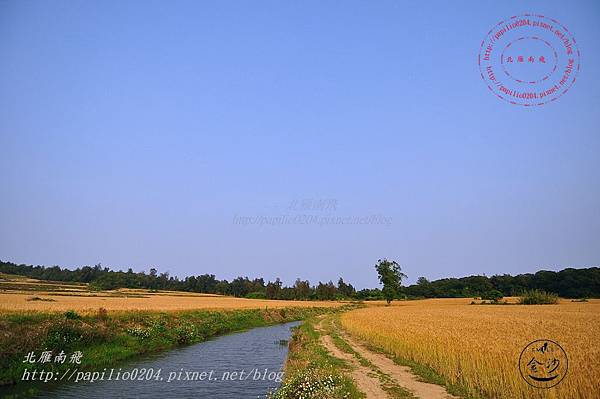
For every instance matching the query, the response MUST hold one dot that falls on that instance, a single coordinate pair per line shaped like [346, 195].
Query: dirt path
[363, 376]
[368, 382]
[402, 374]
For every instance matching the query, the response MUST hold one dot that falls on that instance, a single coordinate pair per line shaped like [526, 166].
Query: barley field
[478, 346]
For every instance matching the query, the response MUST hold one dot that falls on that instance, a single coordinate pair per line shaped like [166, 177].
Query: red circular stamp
[529, 60]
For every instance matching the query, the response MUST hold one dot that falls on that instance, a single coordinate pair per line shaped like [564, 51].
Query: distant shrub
[579, 300]
[492, 295]
[72, 315]
[537, 297]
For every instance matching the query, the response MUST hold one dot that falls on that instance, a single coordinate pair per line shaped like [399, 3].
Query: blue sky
[134, 133]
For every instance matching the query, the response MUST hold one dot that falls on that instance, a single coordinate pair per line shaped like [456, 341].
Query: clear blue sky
[134, 133]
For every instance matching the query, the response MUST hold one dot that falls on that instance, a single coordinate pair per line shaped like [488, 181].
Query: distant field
[478, 346]
[19, 293]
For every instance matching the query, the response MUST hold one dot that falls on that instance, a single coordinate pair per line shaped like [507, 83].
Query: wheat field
[161, 302]
[478, 346]
[18, 293]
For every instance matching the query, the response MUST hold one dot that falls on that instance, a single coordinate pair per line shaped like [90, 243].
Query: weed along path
[375, 374]
[365, 379]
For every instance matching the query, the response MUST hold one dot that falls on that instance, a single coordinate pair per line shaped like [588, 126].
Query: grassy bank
[311, 372]
[106, 338]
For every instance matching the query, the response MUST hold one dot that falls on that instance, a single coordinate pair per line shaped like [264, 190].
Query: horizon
[267, 139]
[291, 282]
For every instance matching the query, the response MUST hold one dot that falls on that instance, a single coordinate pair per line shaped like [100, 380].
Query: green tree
[390, 275]
[492, 295]
[325, 291]
[346, 290]
[273, 290]
[301, 289]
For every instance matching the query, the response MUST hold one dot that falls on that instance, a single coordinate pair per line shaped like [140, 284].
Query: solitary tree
[390, 275]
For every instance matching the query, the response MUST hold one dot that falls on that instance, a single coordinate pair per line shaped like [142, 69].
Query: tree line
[102, 278]
[567, 283]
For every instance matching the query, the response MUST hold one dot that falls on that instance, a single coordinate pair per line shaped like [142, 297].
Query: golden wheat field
[164, 302]
[478, 346]
[23, 294]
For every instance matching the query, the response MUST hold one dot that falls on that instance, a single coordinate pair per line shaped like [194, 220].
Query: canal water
[248, 364]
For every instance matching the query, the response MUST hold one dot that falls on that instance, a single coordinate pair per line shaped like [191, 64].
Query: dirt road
[375, 374]
[366, 381]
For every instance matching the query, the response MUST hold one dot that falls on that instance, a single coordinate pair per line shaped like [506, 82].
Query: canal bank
[106, 339]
